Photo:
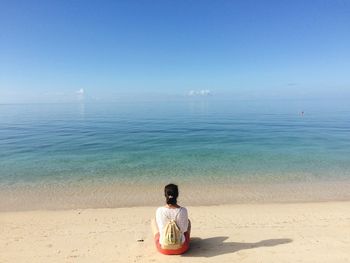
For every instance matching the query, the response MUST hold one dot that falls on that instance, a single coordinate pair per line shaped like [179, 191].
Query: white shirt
[163, 215]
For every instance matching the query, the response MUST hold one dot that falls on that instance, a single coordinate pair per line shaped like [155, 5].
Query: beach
[290, 232]
[80, 183]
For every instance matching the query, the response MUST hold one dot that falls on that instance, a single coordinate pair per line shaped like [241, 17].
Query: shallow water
[202, 140]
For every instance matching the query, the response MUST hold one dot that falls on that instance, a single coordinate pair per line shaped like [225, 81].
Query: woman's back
[165, 214]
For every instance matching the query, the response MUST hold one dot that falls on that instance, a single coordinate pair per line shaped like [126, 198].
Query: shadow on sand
[215, 246]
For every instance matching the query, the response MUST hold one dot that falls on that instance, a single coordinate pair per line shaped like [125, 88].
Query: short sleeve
[160, 219]
[182, 220]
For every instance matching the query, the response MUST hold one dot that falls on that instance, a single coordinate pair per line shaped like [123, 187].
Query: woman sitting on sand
[170, 238]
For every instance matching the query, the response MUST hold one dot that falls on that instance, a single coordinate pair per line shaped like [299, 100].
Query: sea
[195, 142]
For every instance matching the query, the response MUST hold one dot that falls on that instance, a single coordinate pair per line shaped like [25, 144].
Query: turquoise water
[182, 140]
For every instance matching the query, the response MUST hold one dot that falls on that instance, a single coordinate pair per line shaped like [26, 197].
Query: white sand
[300, 232]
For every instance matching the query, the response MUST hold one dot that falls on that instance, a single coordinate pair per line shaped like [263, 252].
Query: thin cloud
[80, 92]
[203, 93]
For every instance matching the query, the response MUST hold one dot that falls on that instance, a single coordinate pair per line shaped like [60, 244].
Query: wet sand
[118, 194]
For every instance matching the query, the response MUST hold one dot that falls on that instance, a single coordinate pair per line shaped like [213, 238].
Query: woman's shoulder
[183, 209]
[163, 208]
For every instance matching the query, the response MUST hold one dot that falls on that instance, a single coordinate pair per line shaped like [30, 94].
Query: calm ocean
[184, 140]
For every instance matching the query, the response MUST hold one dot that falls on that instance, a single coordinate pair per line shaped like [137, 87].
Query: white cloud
[203, 92]
[80, 92]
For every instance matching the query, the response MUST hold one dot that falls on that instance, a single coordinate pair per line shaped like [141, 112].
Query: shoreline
[295, 232]
[206, 206]
[117, 195]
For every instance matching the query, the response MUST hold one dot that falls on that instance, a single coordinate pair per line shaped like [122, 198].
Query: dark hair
[171, 193]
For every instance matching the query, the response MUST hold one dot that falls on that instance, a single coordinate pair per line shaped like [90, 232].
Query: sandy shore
[116, 194]
[300, 232]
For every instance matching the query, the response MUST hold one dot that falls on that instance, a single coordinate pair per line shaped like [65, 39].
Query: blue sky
[49, 50]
